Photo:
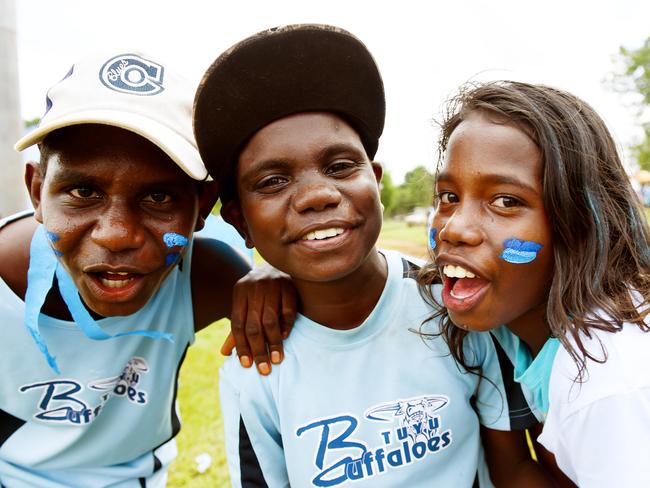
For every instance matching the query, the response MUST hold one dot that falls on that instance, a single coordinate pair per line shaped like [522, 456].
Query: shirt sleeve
[500, 401]
[605, 443]
[251, 425]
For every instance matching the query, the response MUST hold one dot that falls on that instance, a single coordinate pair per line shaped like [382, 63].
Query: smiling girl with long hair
[539, 237]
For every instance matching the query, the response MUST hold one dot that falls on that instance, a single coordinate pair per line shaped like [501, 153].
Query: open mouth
[462, 288]
[115, 279]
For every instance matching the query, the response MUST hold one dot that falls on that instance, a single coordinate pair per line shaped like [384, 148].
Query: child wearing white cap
[103, 288]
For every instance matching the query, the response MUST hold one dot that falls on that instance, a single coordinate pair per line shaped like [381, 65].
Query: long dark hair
[600, 234]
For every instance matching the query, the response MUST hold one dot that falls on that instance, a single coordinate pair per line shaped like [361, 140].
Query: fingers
[264, 310]
[228, 345]
[289, 308]
[237, 322]
[255, 332]
[273, 327]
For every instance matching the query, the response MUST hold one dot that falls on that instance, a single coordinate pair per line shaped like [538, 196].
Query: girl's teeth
[322, 234]
[457, 272]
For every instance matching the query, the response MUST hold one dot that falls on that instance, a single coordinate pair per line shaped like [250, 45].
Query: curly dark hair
[601, 246]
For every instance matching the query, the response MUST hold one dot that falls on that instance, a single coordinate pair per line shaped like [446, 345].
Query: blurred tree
[32, 123]
[635, 77]
[416, 191]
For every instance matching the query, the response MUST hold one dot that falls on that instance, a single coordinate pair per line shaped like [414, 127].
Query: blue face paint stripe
[432, 237]
[517, 251]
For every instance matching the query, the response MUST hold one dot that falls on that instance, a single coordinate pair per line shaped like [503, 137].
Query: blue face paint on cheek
[172, 258]
[517, 251]
[54, 238]
[172, 239]
[432, 237]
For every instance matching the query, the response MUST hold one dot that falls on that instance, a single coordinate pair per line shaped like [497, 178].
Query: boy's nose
[462, 227]
[118, 229]
[316, 195]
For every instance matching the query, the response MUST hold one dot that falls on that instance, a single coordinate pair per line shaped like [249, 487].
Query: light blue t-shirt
[376, 406]
[109, 418]
[532, 375]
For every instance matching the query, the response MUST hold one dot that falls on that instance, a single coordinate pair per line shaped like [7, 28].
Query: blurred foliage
[416, 191]
[634, 77]
[32, 123]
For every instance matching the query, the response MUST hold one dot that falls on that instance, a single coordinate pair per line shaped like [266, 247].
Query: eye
[158, 197]
[270, 183]
[447, 197]
[340, 168]
[84, 193]
[506, 202]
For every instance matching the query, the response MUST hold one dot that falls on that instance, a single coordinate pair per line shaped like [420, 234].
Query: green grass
[200, 413]
[202, 430]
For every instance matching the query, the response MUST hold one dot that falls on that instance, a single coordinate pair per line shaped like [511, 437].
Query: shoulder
[246, 383]
[620, 367]
[15, 238]
[210, 254]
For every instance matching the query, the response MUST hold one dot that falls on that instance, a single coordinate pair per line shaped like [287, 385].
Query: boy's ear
[208, 196]
[231, 213]
[34, 182]
[378, 170]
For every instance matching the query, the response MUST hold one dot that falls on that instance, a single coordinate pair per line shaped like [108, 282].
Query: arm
[509, 460]
[216, 267]
[253, 440]
[547, 460]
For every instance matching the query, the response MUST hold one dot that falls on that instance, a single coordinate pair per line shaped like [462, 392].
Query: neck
[532, 329]
[346, 302]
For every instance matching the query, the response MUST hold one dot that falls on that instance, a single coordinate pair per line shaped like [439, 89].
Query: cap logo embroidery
[129, 73]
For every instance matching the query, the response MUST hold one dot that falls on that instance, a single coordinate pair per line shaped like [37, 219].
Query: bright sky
[424, 49]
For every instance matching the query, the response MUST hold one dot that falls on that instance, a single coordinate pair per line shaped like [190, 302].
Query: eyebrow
[495, 179]
[335, 149]
[67, 174]
[326, 153]
[79, 177]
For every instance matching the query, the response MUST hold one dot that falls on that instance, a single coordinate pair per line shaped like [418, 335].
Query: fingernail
[264, 368]
[245, 361]
[275, 357]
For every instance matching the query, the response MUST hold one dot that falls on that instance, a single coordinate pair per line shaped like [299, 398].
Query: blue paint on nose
[517, 251]
[172, 239]
[432, 237]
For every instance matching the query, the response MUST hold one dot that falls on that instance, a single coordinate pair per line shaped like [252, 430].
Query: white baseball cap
[131, 91]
